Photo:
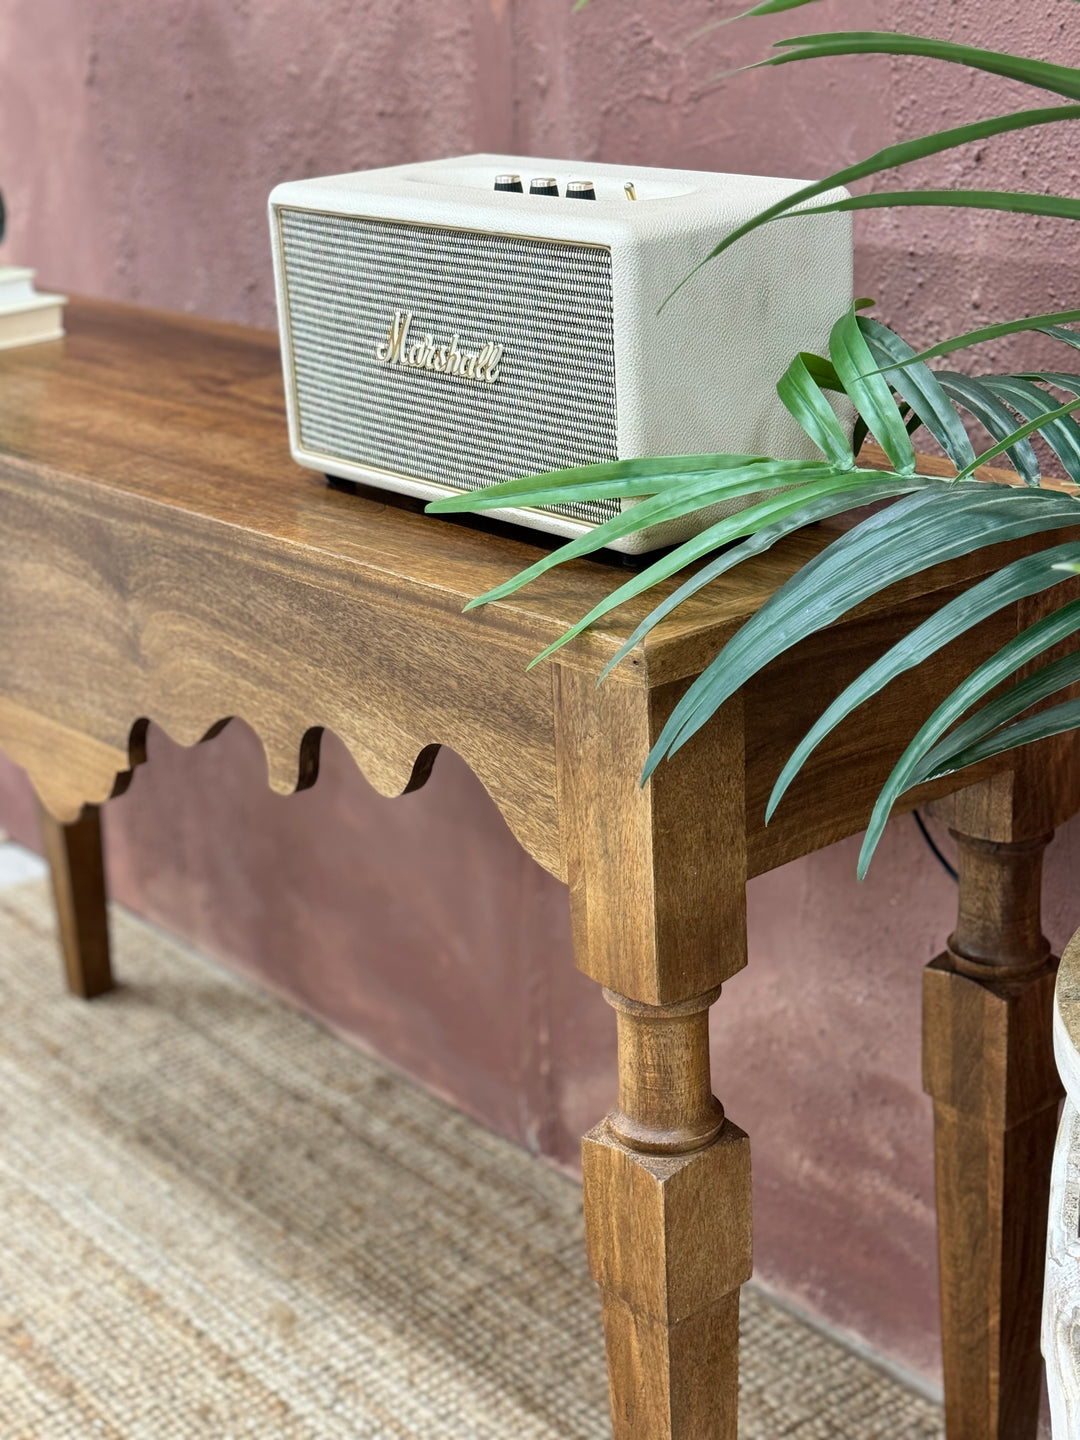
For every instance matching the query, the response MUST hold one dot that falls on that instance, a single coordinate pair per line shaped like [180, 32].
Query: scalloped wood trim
[70, 770]
[119, 612]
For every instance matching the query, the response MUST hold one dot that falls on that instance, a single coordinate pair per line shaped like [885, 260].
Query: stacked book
[27, 316]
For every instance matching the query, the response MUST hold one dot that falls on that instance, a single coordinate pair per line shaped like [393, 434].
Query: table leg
[76, 861]
[657, 880]
[667, 1213]
[988, 1064]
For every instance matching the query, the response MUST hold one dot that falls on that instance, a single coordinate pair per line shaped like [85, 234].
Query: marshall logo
[481, 365]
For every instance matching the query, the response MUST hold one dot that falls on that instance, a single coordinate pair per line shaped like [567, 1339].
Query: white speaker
[439, 334]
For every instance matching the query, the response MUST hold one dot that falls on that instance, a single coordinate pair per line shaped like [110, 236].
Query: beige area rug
[219, 1221]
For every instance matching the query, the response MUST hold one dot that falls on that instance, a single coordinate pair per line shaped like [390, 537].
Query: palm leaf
[861, 432]
[894, 156]
[767, 7]
[1051, 324]
[995, 417]
[1062, 435]
[784, 509]
[1060, 378]
[1061, 207]
[803, 398]
[610, 479]
[821, 371]
[1027, 576]
[1041, 74]
[1058, 720]
[1009, 441]
[921, 389]
[1059, 332]
[916, 533]
[1008, 706]
[1019, 651]
[938, 519]
[875, 487]
[656, 510]
[870, 394]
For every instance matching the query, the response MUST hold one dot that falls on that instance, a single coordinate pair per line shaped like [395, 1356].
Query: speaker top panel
[461, 192]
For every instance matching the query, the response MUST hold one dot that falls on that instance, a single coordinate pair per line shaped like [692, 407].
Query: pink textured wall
[137, 146]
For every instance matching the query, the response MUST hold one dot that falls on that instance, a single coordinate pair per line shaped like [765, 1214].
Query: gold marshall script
[481, 365]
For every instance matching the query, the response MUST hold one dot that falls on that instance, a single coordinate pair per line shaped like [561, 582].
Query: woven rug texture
[220, 1221]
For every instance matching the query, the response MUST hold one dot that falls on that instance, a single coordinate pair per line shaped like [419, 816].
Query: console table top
[190, 414]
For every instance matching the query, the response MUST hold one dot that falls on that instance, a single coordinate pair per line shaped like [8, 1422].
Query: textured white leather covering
[698, 377]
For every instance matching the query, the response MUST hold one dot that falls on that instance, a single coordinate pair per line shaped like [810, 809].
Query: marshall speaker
[449, 325]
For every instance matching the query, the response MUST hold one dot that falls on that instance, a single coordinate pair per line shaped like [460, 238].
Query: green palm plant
[894, 392]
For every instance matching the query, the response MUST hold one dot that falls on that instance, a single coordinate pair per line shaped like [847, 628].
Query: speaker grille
[547, 303]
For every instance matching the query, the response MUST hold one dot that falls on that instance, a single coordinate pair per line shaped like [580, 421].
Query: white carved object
[1061, 1301]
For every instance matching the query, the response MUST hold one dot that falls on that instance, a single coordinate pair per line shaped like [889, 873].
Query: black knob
[508, 182]
[544, 185]
[580, 190]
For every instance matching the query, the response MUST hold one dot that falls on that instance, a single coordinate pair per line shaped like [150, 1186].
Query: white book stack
[26, 315]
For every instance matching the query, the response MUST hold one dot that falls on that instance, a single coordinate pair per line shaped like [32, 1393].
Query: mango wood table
[162, 560]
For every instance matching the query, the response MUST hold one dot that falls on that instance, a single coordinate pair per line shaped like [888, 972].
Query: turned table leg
[657, 880]
[76, 862]
[988, 1064]
[667, 1213]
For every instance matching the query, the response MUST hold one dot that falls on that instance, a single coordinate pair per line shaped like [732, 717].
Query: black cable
[925, 833]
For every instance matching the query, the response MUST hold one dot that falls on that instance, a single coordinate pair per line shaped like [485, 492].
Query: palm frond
[1039, 74]
[868, 493]
[1031, 403]
[805, 400]
[1058, 720]
[1028, 576]
[920, 388]
[870, 393]
[672, 504]
[1039, 425]
[1052, 324]
[606, 480]
[893, 393]
[973, 396]
[1017, 202]
[931, 520]
[772, 7]
[1019, 651]
[791, 509]
[912, 535]
[893, 157]
[1032, 690]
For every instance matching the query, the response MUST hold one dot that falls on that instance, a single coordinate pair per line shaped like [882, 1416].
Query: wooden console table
[161, 559]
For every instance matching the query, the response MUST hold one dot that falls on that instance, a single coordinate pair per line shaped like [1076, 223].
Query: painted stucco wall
[138, 142]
